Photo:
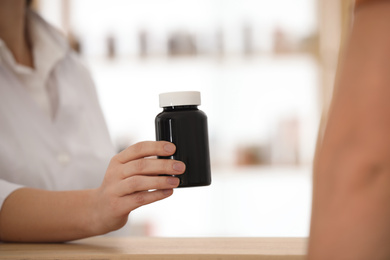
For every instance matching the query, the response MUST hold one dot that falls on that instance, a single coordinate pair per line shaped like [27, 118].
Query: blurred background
[265, 70]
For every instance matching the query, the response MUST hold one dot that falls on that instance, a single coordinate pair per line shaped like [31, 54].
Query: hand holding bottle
[133, 180]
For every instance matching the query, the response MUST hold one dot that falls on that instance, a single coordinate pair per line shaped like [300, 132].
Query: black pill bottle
[183, 124]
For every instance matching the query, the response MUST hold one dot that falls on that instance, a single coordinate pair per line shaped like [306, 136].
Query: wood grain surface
[141, 248]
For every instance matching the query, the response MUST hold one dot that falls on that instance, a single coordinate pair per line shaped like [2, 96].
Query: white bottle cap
[183, 98]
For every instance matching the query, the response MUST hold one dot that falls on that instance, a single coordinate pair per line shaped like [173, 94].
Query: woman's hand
[133, 179]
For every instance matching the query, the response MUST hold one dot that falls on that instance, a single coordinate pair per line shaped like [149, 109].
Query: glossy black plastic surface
[186, 127]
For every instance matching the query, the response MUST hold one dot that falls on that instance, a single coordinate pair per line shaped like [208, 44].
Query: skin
[132, 178]
[57, 216]
[13, 30]
[351, 195]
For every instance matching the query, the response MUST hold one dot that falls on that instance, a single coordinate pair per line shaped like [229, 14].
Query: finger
[145, 197]
[153, 167]
[146, 149]
[144, 183]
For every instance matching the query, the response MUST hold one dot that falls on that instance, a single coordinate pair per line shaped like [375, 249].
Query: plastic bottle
[183, 124]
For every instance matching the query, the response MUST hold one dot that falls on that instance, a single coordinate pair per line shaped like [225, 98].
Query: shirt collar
[7, 59]
[48, 47]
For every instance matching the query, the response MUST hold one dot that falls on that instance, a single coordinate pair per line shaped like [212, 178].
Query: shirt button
[63, 158]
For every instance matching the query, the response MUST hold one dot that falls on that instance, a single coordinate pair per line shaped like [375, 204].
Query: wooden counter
[141, 248]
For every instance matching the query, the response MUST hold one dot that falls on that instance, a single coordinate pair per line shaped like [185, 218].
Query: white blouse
[53, 134]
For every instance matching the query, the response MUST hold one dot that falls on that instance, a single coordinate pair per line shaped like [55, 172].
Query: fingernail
[179, 166]
[170, 148]
[173, 181]
[167, 192]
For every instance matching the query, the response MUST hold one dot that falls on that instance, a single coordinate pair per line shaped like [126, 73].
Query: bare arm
[31, 215]
[351, 195]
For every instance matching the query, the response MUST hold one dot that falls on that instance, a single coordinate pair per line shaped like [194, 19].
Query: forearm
[351, 194]
[31, 215]
[132, 180]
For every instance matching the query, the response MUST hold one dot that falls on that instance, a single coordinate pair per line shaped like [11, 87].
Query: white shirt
[53, 135]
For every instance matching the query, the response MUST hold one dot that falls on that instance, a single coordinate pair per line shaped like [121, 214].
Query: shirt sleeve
[6, 188]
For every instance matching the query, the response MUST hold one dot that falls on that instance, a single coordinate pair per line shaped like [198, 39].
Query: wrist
[92, 221]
